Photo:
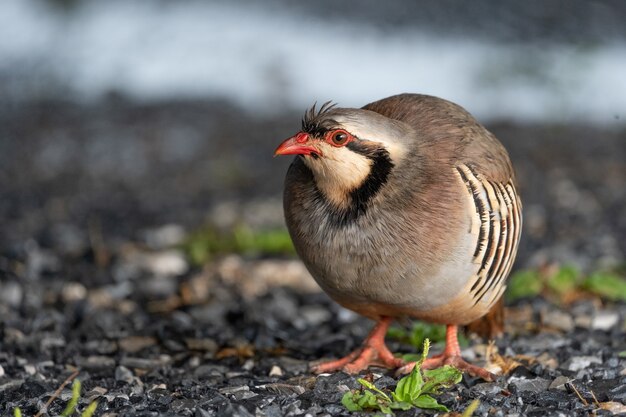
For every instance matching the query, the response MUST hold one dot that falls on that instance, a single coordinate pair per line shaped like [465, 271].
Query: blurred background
[140, 204]
[132, 115]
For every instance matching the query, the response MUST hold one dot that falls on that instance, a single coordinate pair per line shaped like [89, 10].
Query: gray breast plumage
[392, 258]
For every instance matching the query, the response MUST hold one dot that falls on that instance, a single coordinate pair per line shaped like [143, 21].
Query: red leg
[451, 356]
[372, 352]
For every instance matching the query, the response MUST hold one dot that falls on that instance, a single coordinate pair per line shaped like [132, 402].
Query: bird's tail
[490, 325]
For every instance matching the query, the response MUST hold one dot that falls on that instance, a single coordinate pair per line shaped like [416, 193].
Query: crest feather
[311, 119]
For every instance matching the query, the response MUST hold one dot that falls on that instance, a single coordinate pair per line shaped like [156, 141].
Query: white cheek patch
[339, 172]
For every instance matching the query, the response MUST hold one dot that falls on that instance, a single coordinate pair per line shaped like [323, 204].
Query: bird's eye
[339, 137]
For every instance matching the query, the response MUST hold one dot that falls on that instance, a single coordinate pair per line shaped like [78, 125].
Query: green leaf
[469, 411]
[622, 354]
[418, 333]
[400, 405]
[607, 285]
[411, 357]
[17, 412]
[90, 410]
[425, 350]
[202, 244]
[524, 284]
[397, 333]
[428, 402]
[410, 386]
[368, 401]
[439, 378]
[71, 406]
[371, 386]
[565, 280]
[348, 401]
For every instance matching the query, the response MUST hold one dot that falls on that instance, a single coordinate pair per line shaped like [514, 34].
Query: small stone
[556, 399]
[577, 363]
[205, 345]
[180, 406]
[73, 291]
[123, 374]
[272, 410]
[230, 410]
[165, 236]
[557, 319]
[314, 315]
[486, 389]
[68, 239]
[276, 371]
[618, 393]
[10, 384]
[11, 293]
[103, 347]
[233, 390]
[547, 361]
[200, 412]
[1, 371]
[559, 383]
[293, 366]
[238, 393]
[583, 322]
[173, 345]
[51, 342]
[165, 263]
[248, 365]
[533, 385]
[284, 389]
[293, 409]
[95, 393]
[209, 370]
[115, 395]
[30, 369]
[142, 363]
[605, 320]
[605, 389]
[98, 362]
[134, 344]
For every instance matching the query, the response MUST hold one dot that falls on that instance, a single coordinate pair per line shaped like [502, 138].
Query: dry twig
[57, 393]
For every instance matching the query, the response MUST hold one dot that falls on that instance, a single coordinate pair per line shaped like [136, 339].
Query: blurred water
[269, 59]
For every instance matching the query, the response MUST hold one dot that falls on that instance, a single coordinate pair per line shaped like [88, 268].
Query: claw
[373, 352]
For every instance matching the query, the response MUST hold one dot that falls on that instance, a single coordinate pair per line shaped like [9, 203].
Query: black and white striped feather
[496, 224]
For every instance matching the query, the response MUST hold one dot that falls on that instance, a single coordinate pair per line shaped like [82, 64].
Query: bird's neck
[336, 179]
[349, 185]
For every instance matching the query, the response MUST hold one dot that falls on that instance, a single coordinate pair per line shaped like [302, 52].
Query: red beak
[300, 144]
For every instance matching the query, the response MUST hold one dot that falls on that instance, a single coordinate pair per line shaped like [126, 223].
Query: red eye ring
[339, 137]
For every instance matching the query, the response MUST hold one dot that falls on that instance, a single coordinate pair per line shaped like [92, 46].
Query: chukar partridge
[406, 207]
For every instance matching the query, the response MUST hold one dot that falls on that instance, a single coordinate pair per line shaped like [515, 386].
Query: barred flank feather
[498, 212]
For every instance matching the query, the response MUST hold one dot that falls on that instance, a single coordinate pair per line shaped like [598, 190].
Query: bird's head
[351, 152]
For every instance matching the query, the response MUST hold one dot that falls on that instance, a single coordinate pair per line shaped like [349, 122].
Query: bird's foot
[373, 352]
[359, 360]
[454, 360]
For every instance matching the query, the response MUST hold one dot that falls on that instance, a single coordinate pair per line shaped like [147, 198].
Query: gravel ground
[94, 198]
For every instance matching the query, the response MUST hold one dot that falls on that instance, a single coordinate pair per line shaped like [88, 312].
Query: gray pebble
[123, 374]
[578, 363]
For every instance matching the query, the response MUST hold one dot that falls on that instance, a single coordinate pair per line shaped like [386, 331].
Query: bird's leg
[372, 352]
[451, 356]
